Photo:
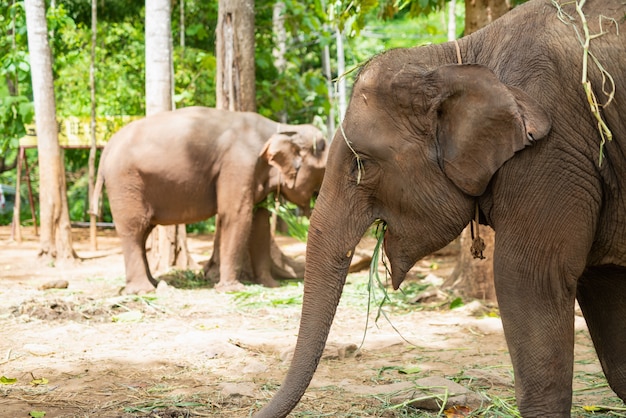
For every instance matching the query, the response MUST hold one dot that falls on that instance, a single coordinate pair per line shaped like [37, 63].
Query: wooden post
[16, 231]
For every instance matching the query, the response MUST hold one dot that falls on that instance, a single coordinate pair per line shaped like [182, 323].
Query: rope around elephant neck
[478, 244]
[458, 52]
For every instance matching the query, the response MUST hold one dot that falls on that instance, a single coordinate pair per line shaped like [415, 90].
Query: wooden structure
[74, 132]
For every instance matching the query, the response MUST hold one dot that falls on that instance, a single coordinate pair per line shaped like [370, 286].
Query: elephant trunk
[332, 239]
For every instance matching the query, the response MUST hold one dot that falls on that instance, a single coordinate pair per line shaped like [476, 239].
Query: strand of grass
[585, 41]
[149, 302]
[605, 132]
[408, 402]
[380, 236]
[503, 407]
[592, 387]
[596, 408]
[375, 282]
[359, 162]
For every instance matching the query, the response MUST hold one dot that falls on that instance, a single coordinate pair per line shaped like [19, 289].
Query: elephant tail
[97, 191]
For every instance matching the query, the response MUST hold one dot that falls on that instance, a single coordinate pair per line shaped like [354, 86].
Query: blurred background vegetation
[298, 94]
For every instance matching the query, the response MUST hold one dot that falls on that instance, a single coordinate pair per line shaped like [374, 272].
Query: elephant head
[417, 146]
[299, 161]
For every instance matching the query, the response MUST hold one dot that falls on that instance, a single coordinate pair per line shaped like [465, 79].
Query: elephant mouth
[399, 262]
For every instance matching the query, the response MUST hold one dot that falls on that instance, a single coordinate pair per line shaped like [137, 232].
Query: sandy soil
[188, 351]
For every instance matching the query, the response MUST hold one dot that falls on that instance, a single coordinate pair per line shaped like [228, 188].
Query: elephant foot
[268, 282]
[138, 288]
[230, 286]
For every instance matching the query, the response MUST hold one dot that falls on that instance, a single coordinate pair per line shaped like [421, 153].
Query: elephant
[187, 165]
[497, 123]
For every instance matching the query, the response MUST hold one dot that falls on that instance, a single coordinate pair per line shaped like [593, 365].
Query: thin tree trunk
[280, 46]
[330, 122]
[181, 26]
[167, 245]
[92, 125]
[451, 20]
[341, 83]
[56, 237]
[235, 80]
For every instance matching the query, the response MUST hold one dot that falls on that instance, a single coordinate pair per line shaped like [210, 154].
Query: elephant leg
[132, 223]
[601, 294]
[260, 239]
[538, 318]
[139, 280]
[235, 230]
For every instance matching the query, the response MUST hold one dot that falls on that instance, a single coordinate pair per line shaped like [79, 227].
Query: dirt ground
[188, 351]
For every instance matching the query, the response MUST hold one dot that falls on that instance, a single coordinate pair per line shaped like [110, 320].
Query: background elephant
[187, 165]
[425, 140]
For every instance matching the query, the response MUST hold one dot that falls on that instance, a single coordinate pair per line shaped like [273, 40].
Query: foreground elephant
[187, 165]
[426, 140]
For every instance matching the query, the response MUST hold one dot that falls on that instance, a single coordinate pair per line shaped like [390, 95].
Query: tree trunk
[235, 56]
[341, 83]
[472, 277]
[280, 46]
[479, 13]
[330, 121]
[92, 125]
[56, 234]
[167, 245]
[451, 24]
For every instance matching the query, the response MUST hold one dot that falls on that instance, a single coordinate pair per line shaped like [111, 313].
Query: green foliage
[16, 108]
[303, 95]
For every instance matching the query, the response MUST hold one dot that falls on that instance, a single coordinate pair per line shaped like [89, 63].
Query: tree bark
[235, 79]
[167, 245]
[472, 277]
[56, 234]
[479, 13]
[92, 124]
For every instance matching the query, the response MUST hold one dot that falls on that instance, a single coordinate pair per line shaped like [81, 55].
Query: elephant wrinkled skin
[187, 165]
[509, 129]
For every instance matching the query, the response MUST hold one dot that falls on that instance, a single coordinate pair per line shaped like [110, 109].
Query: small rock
[39, 349]
[254, 367]
[488, 325]
[432, 279]
[490, 377]
[428, 393]
[474, 307]
[230, 390]
[55, 284]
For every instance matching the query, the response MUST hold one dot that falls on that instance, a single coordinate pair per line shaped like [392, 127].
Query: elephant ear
[282, 152]
[481, 123]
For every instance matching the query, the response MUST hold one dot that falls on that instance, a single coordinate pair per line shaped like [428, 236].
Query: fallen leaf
[457, 411]
[130, 316]
[37, 414]
[7, 380]
[37, 382]
[456, 303]
[598, 408]
[409, 370]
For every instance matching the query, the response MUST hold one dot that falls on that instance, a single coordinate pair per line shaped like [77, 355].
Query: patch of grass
[187, 279]
[256, 296]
